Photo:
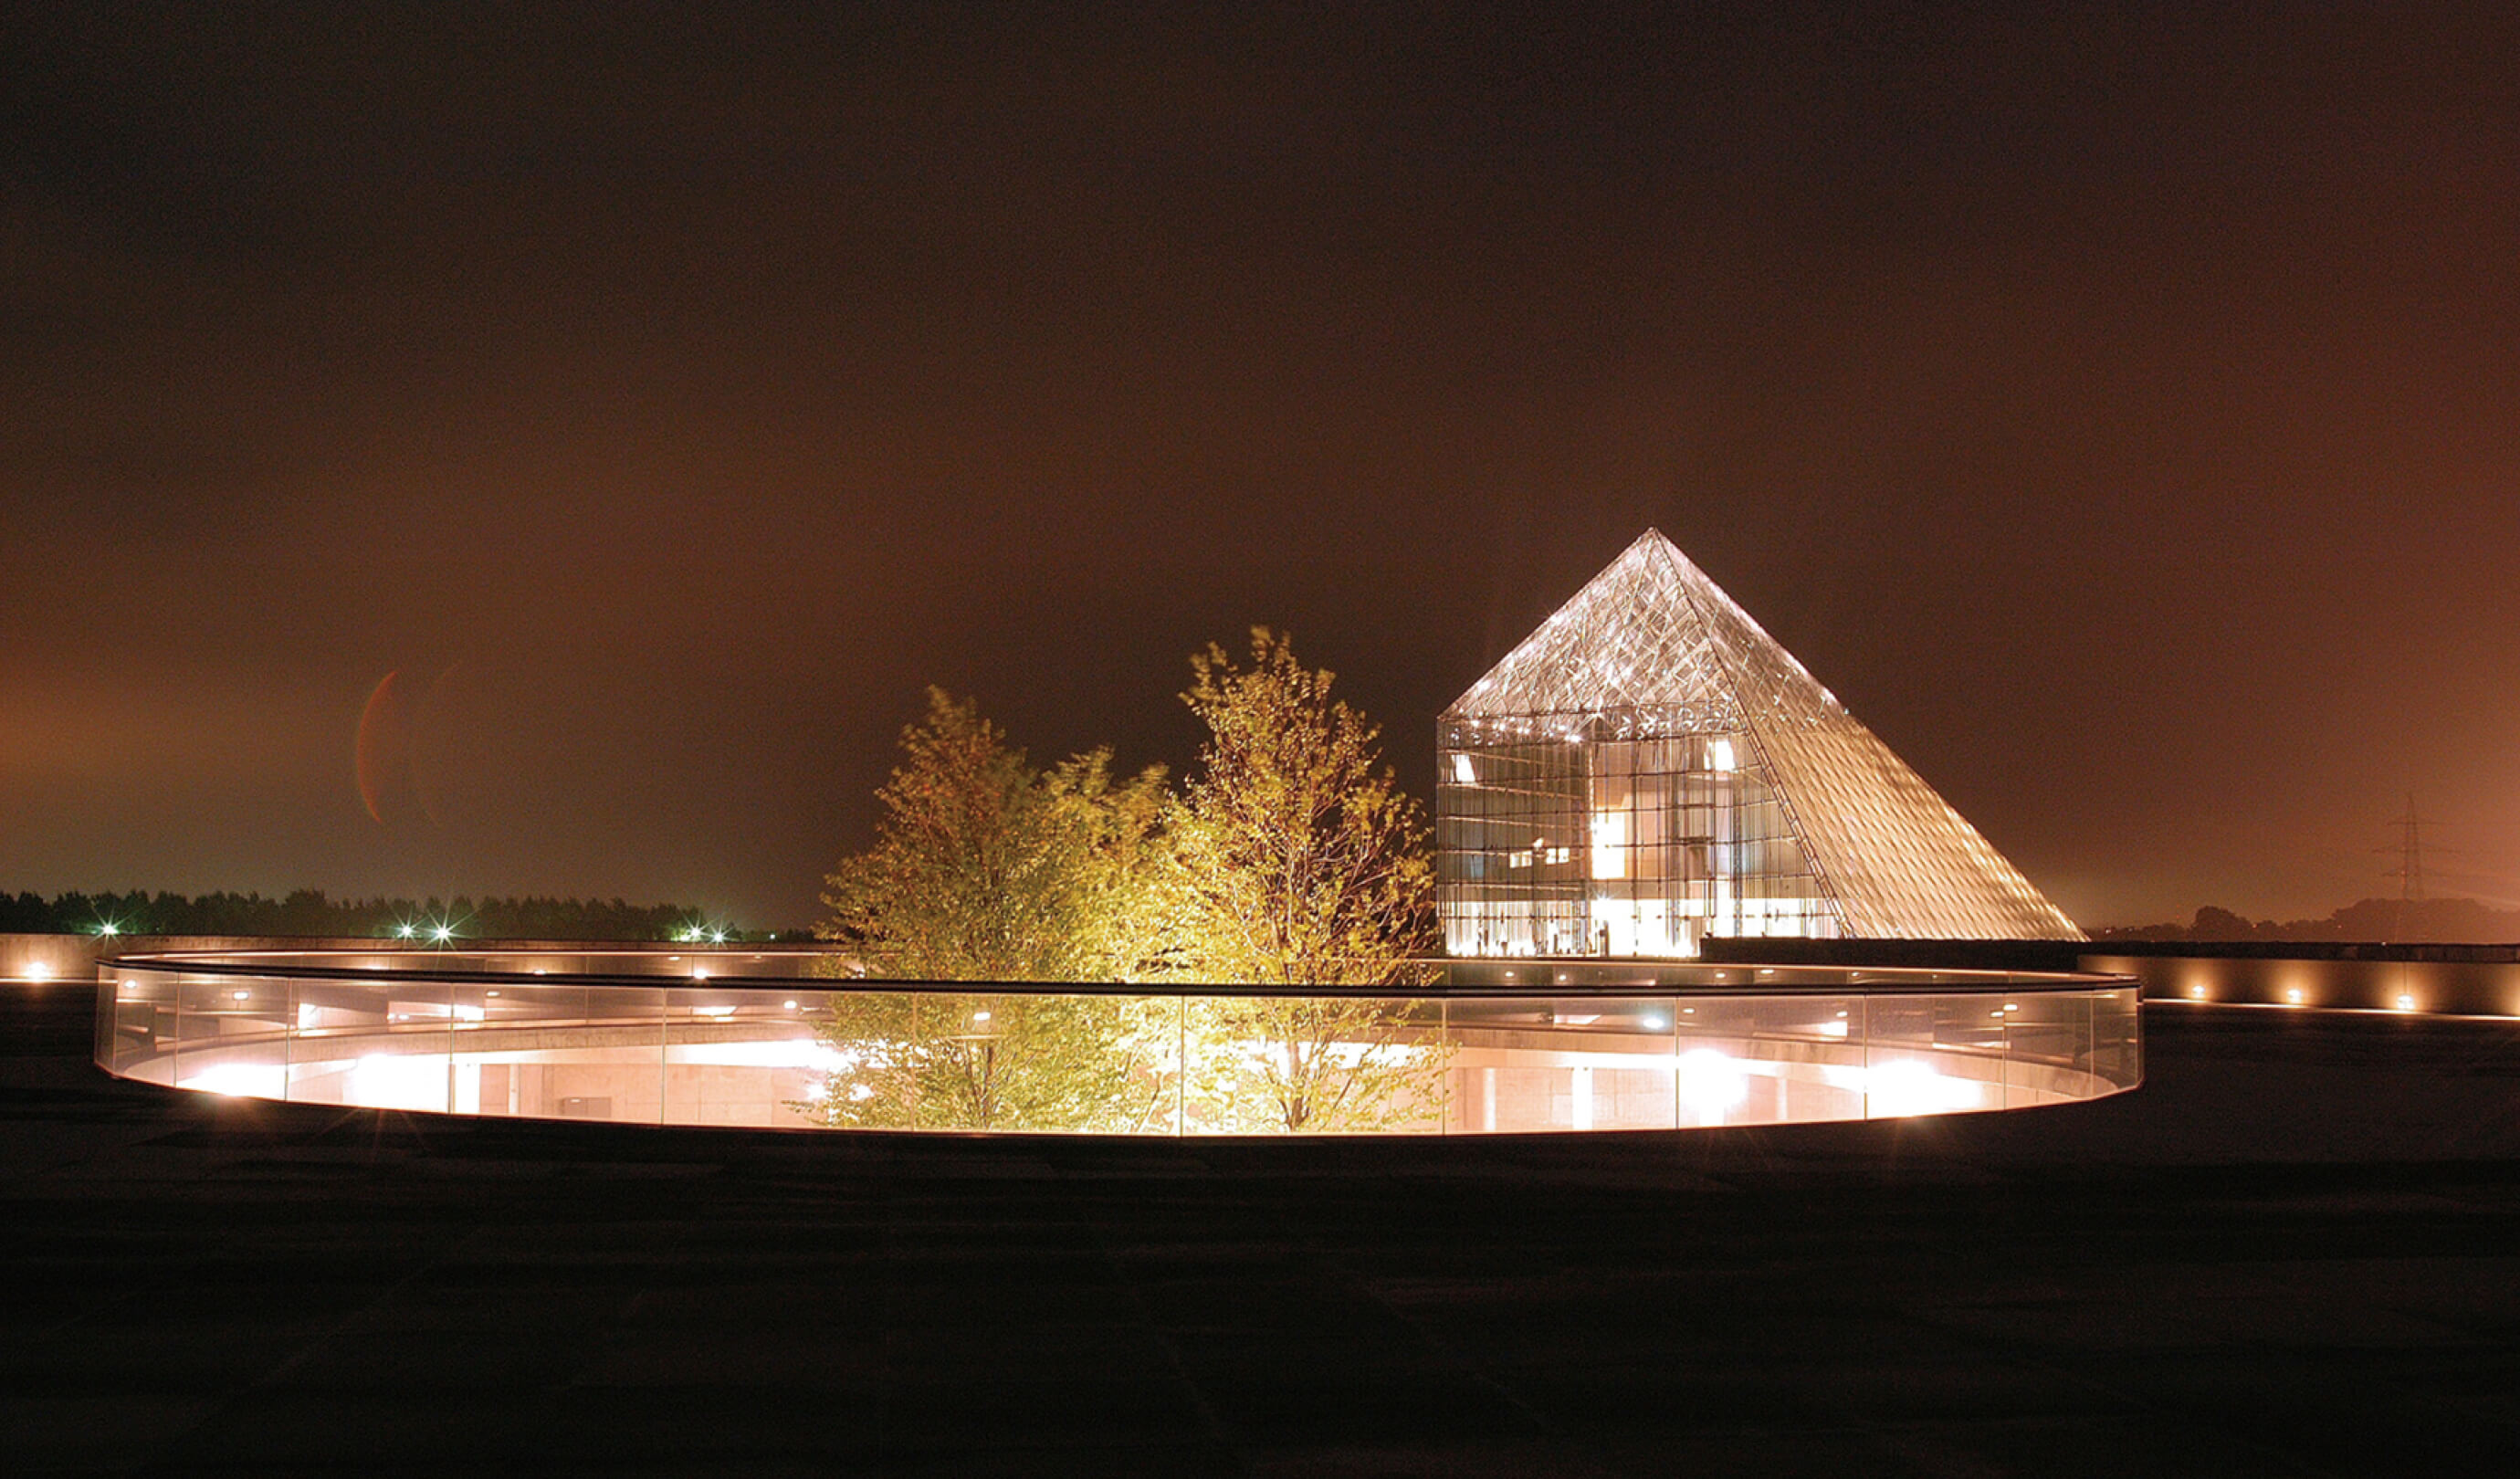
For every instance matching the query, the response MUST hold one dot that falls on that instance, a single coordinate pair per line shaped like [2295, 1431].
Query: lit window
[1609, 844]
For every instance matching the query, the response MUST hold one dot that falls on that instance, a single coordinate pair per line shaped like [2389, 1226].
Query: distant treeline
[2429, 922]
[307, 912]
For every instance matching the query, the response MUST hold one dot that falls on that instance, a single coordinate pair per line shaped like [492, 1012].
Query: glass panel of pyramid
[1651, 770]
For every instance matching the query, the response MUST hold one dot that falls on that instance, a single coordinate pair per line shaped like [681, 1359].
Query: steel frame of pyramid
[1649, 770]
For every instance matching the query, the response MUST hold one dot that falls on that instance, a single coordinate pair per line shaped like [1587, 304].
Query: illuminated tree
[1294, 859]
[937, 1060]
[987, 870]
[1263, 1064]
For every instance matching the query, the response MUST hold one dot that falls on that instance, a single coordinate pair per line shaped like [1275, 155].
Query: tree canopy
[985, 868]
[1296, 858]
[1290, 859]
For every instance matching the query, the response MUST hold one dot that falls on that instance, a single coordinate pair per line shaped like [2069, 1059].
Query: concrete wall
[2456, 979]
[2481, 987]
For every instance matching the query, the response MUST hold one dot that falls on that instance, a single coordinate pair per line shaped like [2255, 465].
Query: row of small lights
[442, 933]
[2295, 997]
[436, 934]
[40, 970]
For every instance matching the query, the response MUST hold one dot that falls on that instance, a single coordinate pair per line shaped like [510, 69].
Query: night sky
[2119, 413]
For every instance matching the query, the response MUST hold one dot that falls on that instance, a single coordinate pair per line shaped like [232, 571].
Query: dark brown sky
[2121, 414]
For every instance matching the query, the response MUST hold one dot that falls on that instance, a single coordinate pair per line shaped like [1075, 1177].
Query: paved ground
[2297, 1250]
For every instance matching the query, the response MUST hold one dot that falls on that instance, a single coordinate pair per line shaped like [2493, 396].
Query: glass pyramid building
[1649, 770]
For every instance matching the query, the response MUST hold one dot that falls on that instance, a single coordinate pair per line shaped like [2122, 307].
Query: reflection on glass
[902, 1060]
[1312, 1065]
[1649, 770]
[700, 1049]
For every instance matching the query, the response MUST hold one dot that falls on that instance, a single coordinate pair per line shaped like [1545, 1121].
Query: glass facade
[1651, 770]
[1501, 1050]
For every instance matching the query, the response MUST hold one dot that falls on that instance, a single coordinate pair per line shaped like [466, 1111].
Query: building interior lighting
[1716, 788]
[1711, 1083]
[1561, 1067]
[1894, 1091]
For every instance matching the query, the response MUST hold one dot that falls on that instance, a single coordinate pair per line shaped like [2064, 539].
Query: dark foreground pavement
[2297, 1250]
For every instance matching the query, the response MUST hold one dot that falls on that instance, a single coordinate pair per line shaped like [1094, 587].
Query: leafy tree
[1264, 1064]
[1295, 859]
[905, 1059]
[987, 870]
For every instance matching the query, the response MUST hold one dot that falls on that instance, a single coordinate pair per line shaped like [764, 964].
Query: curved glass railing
[759, 1038]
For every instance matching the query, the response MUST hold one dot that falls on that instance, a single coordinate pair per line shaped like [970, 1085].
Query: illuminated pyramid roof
[1651, 648]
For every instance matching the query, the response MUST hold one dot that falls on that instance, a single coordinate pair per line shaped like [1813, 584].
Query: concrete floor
[2296, 1250]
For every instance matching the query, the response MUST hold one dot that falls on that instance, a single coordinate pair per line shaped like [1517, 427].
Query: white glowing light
[442, 932]
[2293, 996]
[396, 1080]
[109, 930]
[785, 1053]
[39, 970]
[1719, 755]
[241, 1080]
[699, 972]
[1908, 1086]
[402, 932]
[2406, 1002]
[1461, 771]
[1711, 1083]
[243, 994]
[979, 1017]
[788, 1005]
